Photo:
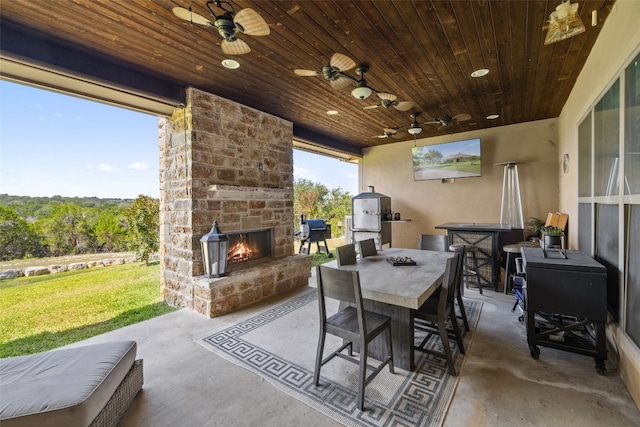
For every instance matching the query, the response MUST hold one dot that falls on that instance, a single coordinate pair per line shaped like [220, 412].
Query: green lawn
[41, 313]
[45, 312]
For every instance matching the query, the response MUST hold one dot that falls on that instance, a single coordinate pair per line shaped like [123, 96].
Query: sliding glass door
[609, 193]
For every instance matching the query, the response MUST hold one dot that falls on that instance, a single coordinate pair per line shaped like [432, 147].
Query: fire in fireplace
[249, 246]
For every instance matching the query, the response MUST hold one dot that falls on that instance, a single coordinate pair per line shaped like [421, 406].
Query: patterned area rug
[280, 344]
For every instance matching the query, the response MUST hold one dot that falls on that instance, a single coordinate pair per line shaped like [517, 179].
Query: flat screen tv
[459, 159]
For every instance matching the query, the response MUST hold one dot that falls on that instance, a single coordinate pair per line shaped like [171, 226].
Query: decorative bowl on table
[401, 260]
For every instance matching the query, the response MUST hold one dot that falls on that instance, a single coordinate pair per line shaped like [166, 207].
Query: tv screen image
[459, 159]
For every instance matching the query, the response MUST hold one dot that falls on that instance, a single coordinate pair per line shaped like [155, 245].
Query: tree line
[316, 201]
[35, 227]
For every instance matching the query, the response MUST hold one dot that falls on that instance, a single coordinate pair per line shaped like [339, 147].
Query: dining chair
[439, 242]
[433, 315]
[353, 324]
[433, 242]
[346, 254]
[367, 248]
[460, 278]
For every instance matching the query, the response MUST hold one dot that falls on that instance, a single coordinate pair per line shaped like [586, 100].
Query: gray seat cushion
[66, 387]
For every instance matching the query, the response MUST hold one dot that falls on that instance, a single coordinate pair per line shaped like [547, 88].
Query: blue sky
[53, 144]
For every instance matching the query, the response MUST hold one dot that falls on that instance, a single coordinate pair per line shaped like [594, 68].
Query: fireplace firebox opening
[248, 246]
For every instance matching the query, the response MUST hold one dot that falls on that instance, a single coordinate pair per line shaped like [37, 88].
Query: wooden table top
[406, 286]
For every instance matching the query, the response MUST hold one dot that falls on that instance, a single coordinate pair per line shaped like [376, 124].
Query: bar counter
[486, 237]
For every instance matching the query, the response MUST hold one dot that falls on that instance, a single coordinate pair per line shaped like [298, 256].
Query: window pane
[607, 253]
[584, 227]
[632, 212]
[584, 157]
[606, 142]
[632, 128]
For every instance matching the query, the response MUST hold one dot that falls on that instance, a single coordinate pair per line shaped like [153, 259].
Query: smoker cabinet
[369, 212]
[566, 303]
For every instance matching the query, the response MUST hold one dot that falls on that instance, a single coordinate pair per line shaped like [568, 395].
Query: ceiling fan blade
[306, 73]
[370, 107]
[340, 83]
[191, 16]
[236, 47]
[342, 62]
[403, 105]
[386, 96]
[442, 127]
[432, 122]
[462, 117]
[251, 23]
[390, 130]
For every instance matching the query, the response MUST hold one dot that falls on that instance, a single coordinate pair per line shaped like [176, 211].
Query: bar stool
[513, 251]
[470, 264]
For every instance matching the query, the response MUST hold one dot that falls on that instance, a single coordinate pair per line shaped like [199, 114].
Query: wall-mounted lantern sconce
[215, 246]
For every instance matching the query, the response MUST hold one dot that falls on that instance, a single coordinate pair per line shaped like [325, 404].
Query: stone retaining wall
[60, 268]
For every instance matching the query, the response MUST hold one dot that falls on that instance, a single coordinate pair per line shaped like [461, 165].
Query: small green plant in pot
[552, 236]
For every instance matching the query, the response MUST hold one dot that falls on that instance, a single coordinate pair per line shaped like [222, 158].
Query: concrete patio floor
[500, 384]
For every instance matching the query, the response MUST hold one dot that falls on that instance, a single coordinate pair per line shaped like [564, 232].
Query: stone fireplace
[223, 161]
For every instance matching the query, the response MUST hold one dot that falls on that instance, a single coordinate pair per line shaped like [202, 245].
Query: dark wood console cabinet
[566, 303]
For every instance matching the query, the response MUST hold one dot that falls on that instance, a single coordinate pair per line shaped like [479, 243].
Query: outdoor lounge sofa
[81, 386]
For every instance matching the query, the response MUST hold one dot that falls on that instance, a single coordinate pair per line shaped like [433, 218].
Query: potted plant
[534, 228]
[552, 236]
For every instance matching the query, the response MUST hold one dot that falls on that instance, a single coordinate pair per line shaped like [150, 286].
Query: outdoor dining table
[396, 291]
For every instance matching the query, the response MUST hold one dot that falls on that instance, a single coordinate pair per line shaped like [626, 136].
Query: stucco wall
[617, 44]
[429, 203]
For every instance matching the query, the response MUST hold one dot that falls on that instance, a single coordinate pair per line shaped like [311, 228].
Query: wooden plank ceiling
[422, 51]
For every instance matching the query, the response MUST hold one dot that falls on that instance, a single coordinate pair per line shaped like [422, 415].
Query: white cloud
[302, 173]
[106, 168]
[139, 166]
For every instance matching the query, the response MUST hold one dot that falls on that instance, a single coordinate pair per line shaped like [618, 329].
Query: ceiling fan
[389, 100]
[447, 120]
[389, 133]
[333, 71]
[228, 23]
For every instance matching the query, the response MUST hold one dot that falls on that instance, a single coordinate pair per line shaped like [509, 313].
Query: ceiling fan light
[231, 64]
[414, 130]
[361, 92]
[480, 72]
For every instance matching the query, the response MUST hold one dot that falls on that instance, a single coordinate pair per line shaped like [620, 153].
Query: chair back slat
[367, 248]
[449, 283]
[341, 285]
[346, 254]
[432, 242]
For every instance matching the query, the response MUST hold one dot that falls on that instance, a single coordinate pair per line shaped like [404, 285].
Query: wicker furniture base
[122, 398]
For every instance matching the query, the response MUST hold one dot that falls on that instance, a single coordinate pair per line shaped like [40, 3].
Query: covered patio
[500, 385]
[225, 153]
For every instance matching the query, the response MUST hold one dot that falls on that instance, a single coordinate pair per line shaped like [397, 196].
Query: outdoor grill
[314, 231]
[371, 214]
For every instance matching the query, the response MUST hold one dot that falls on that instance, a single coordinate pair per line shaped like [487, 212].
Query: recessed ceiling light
[492, 116]
[231, 64]
[479, 73]
[332, 112]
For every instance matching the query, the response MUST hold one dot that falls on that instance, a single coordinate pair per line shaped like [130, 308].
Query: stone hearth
[223, 161]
